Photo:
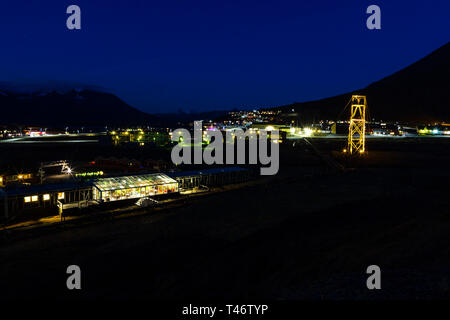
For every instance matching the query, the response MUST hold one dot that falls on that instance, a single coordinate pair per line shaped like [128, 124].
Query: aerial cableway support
[357, 127]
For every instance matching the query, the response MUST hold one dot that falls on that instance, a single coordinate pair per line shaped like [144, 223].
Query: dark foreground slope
[306, 234]
[418, 93]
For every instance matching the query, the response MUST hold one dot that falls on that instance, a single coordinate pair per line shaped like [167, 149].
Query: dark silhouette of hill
[71, 108]
[59, 104]
[419, 93]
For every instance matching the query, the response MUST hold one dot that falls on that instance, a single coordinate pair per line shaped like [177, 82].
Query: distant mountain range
[33, 87]
[70, 104]
[62, 107]
[419, 93]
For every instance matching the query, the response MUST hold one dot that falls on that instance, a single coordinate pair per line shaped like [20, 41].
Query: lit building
[132, 187]
[51, 199]
[15, 178]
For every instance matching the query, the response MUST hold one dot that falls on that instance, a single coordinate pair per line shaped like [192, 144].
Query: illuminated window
[46, 197]
[27, 199]
[34, 198]
[60, 195]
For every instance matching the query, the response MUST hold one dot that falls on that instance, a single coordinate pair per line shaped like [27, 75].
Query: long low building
[51, 199]
[133, 187]
[210, 177]
[42, 198]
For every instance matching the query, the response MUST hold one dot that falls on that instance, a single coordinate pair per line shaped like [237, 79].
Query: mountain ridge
[73, 108]
[418, 93]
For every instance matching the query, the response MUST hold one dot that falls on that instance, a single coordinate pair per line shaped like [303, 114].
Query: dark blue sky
[167, 55]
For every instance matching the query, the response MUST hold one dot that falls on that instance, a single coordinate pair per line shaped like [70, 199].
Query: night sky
[162, 56]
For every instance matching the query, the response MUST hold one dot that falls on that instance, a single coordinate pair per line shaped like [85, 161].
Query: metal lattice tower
[357, 128]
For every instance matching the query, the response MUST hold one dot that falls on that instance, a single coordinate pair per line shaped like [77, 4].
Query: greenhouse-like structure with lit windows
[48, 199]
[132, 187]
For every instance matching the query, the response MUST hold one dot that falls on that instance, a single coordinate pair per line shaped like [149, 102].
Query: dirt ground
[308, 233]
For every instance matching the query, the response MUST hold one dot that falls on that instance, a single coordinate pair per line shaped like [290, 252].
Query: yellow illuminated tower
[357, 128]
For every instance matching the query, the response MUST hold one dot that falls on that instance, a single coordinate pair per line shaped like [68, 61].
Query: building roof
[43, 188]
[115, 183]
[206, 172]
[125, 182]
